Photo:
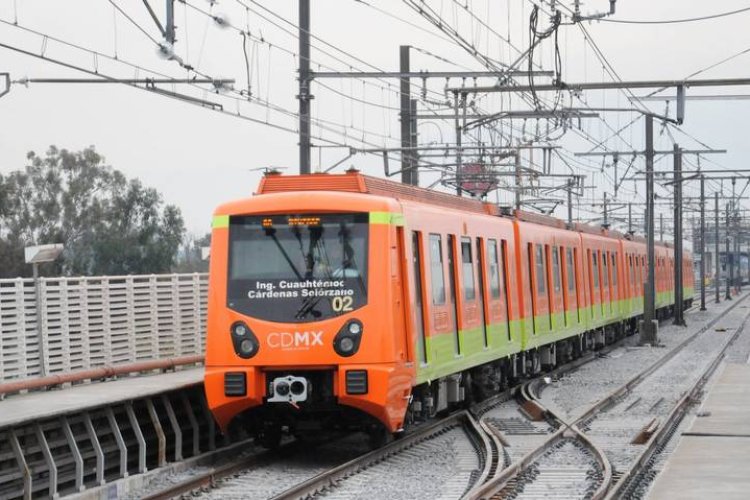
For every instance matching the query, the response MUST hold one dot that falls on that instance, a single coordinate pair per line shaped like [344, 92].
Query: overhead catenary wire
[675, 21]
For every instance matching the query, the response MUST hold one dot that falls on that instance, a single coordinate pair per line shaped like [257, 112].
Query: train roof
[352, 181]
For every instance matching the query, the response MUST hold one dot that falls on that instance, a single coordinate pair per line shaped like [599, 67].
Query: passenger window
[556, 270]
[467, 269]
[541, 267]
[632, 271]
[493, 269]
[437, 278]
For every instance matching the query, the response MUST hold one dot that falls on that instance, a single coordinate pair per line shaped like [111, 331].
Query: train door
[559, 320]
[495, 281]
[483, 303]
[615, 284]
[606, 293]
[541, 297]
[570, 279]
[452, 282]
[632, 292]
[468, 303]
[418, 300]
[596, 301]
[532, 289]
[504, 280]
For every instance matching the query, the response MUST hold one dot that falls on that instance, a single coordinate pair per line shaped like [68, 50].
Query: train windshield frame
[298, 268]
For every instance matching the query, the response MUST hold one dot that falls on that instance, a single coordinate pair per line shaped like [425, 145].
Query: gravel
[442, 467]
[273, 478]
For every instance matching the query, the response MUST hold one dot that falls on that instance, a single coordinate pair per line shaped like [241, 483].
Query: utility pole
[630, 218]
[735, 240]
[648, 331]
[169, 24]
[717, 273]
[605, 224]
[570, 203]
[703, 243]
[304, 87]
[459, 159]
[518, 179]
[661, 227]
[728, 259]
[679, 318]
[409, 174]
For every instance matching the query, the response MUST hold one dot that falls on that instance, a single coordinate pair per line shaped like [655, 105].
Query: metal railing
[59, 325]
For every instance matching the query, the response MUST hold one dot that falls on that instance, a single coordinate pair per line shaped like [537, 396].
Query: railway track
[496, 451]
[607, 450]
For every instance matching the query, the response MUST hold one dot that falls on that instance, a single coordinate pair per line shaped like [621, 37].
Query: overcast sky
[199, 158]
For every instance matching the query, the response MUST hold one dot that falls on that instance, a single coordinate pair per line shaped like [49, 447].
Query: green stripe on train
[390, 218]
[220, 221]
[443, 357]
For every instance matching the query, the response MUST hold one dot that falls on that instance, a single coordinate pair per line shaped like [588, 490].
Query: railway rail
[523, 457]
[596, 478]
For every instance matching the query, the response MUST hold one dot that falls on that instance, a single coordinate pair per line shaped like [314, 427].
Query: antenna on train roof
[270, 170]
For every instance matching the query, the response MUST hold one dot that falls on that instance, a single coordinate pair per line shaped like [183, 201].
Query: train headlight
[346, 344]
[245, 343]
[282, 388]
[348, 339]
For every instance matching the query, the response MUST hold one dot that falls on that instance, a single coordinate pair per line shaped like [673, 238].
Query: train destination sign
[297, 267]
[284, 289]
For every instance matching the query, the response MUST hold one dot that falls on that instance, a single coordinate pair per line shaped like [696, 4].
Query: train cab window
[556, 270]
[493, 269]
[437, 278]
[297, 268]
[595, 272]
[541, 270]
[632, 271]
[467, 269]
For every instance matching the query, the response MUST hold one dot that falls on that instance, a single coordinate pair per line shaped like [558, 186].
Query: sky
[198, 158]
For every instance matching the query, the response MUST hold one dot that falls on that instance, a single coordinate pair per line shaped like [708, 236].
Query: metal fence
[60, 325]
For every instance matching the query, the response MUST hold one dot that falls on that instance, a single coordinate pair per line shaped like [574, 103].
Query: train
[345, 301]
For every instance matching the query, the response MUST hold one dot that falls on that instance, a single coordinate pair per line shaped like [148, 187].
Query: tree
[190, 259]
[108, 224]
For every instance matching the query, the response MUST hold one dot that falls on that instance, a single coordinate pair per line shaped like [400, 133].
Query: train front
[303, 332]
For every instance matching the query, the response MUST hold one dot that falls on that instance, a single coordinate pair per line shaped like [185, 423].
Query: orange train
[347, 301]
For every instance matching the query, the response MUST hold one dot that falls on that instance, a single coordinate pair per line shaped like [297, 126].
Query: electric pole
[679, 318]
[304, 87]
[409, 173]
[648, 333]
[728, 259]
[703, 243]
[717, 273]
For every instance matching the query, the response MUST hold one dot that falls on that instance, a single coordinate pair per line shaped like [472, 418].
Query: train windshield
[297, 268]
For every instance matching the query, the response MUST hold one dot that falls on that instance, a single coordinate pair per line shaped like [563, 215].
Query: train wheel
[270, 438]
[378, 436]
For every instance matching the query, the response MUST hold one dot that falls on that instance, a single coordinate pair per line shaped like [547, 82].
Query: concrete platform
[41, 405]
[711, 459]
